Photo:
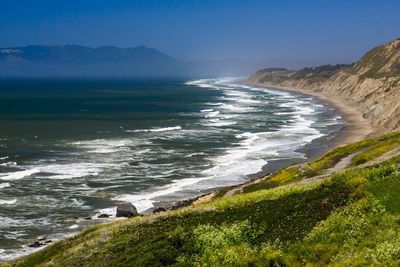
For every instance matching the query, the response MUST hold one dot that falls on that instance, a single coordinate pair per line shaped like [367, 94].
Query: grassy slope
[350, 218]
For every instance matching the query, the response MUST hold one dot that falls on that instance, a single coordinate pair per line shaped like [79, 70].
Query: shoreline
[355, 128]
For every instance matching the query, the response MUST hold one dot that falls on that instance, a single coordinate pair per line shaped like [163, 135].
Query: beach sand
[357, 127]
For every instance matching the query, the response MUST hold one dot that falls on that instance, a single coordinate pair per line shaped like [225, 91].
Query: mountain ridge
[372, 84]
[73, 53]
[109, 61]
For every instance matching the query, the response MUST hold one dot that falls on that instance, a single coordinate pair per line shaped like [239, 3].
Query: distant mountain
[81, 61]
[75, 60]
[75, 54]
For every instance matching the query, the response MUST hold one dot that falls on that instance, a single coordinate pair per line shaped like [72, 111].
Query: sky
[327, 31]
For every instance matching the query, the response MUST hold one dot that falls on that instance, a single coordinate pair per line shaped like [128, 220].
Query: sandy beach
[357, 127]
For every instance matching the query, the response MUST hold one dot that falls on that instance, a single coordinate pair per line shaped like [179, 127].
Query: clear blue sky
[326, 30]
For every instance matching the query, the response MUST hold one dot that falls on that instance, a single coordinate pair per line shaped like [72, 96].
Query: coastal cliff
[372, 84]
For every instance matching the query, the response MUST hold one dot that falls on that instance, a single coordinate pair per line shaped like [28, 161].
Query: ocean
[72, 148]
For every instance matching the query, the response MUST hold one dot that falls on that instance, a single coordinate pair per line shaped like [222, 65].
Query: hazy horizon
[259, 31]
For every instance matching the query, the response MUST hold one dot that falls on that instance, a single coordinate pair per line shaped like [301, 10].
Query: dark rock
[103, 215]
[183, 203]
[126, 209]
[160, 209]
[36, 244]
[88, 218]
[41, 238]
[48, 241]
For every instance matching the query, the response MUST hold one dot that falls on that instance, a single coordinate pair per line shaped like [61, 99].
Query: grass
[364, 232]
[331, 158]
[368, 149]
[376, 150]
[282, 177]
[373, 62]
[350, 218]
[287, 215]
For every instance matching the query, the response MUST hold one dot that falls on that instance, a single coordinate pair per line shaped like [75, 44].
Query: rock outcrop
[126, 209]
[372, 84]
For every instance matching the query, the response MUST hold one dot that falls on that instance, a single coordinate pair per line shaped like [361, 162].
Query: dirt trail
[345, 162]
[341, 165]
[388, 155]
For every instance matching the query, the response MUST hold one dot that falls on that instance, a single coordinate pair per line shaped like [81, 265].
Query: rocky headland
[372, 84]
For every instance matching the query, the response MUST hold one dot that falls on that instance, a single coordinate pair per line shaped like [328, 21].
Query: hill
[310, 214]
[75, 54]
[109, 61]
[372, 84]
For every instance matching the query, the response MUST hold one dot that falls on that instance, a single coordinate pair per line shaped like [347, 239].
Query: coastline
[357, 127]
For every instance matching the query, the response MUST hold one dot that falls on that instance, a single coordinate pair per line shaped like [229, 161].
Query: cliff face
[372, 84]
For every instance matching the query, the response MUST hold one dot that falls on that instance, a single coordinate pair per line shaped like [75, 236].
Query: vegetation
[347, 218]
[315, 74]
[321, 73]
[376, 150]
[334, 156]
[367, 150]
[282, 177]
[377, 62]
[272, 70]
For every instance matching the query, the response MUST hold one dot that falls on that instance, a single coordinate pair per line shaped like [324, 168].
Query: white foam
[335, 121]
[338, 117]
[211, 83]
[237, 108]
[229, 116]
[4, 185]
[104, 146]
[249, 101]
[9, 164]
[215, 104]
[78, 203]
[218, 123]
[110, 211]
[74, 170]
[8, 202]
[231, 167]
[18, 174]
[156, 129]
[253, 150]
[74, 226]
[212, 114]
[196, 154]
[244, 135]
[145, 201]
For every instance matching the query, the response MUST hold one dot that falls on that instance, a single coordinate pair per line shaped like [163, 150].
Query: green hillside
[342, 209]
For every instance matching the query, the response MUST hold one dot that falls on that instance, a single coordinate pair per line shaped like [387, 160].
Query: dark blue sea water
[70, 149]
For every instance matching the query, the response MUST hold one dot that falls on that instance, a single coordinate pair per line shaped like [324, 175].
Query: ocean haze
[109, 61]
[316, 32]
